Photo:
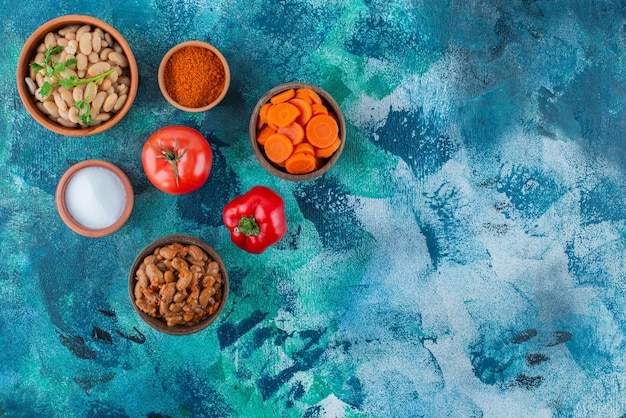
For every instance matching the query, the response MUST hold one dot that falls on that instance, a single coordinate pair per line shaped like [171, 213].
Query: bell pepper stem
[248, 226]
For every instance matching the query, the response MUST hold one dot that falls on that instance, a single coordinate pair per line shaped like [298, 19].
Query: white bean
[50, 41]
[84, 43]
[72, 114]
[31, 85]
[51, 108]
[81, 30]
[105, 84]
[81, 61]
[72, 46]
[104, 54]
[119, 59]
[102, 117]
[98, 68]
[90, 92]
[60, 103]
[97, 102]
[39, 78]
[120, 102]
[66, 123]
[67, 29]
[78, 93]
[39, 58]
[67, 97]
[93, 57]
[96, 41]
[108, 39]
[110, 101]
[123, 80]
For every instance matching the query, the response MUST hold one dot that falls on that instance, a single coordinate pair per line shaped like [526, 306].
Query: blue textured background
[465, 257]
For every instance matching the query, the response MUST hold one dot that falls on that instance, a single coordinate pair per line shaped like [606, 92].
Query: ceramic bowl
[92, 204]
[163, 76]
[30, 49]
[158, 323]
[280, 172]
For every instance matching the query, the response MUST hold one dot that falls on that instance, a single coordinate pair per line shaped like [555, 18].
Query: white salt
[95, 197]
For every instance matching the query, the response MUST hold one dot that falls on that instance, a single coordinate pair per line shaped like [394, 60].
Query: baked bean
[187, 291]
[179, 264]
[179, 297]
[167, 291]
[167, 252]
[154, 274]
[184, 280]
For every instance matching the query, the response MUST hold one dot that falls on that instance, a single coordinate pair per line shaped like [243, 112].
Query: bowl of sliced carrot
[297, 131]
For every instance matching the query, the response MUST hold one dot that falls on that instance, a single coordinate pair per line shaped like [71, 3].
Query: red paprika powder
[194, 76]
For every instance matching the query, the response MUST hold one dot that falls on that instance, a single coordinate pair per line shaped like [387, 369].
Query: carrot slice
[263, 112]
[265, 132]
[310, 95]
[319, 109]
[283, 97]
[305, 110]
[300, 163]
[295, 132]
[305, 148]
[328, 151]
[282, 114]
[278, 148]
[322, 130]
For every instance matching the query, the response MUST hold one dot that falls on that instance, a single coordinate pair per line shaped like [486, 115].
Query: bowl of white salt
[94, 198]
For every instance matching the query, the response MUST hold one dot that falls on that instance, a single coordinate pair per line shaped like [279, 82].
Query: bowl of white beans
[77, 75]
[178, 284]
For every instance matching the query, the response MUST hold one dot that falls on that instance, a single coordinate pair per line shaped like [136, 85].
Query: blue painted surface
[465, 257]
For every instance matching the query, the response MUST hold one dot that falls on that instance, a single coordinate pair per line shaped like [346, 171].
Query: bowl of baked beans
[77, 75]
[178, 284]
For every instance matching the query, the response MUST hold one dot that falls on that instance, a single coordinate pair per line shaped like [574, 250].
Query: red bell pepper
[256, 220]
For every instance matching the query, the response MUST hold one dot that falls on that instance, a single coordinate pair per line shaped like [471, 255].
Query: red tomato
[177, 159]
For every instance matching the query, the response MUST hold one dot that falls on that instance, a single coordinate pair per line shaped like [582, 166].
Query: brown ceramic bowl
[163, 82]
[158, 323]
[280, 172]
[23, 70]
[90, 206]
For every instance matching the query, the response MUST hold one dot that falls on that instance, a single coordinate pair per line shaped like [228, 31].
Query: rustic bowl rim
[260, 155]
[28, 51]
[161, 75]
[67, 217]
[159, 324]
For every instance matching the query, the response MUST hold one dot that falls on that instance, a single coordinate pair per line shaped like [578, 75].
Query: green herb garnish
[53, 70]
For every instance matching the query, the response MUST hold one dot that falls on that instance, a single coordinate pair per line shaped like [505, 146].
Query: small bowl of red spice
[194, 76]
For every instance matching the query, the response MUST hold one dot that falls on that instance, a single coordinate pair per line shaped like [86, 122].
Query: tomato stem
[170, 155]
